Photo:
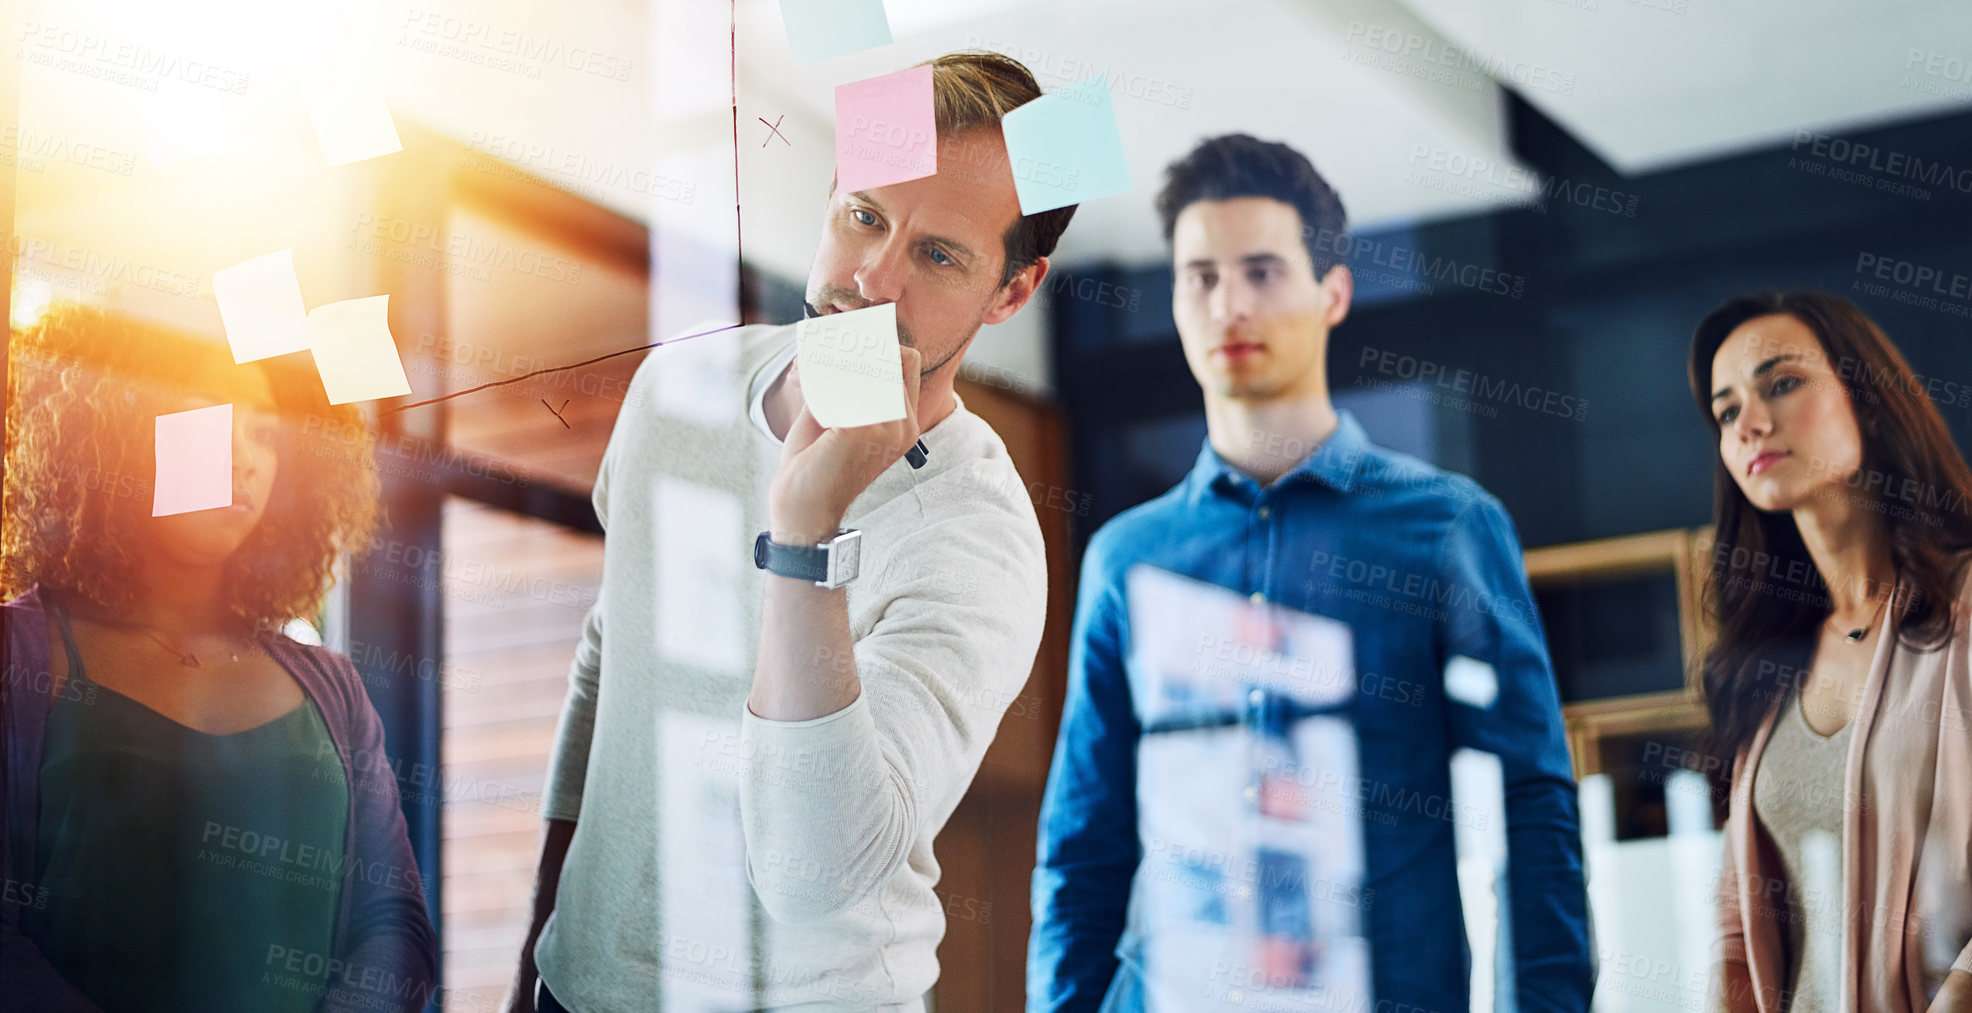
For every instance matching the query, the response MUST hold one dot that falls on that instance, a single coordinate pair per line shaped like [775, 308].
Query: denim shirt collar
[1335, 463]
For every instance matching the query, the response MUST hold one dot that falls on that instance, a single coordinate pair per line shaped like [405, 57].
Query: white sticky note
[1471, 682]
[354, 352]
[182, 123]
[194, 461]
[260, 304]
[826, 29]
[696, 529]
[352, 122]
[706, 896]
[852, 369]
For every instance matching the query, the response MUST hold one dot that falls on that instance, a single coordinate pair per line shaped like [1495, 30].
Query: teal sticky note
[825, 29]
[1065, 148]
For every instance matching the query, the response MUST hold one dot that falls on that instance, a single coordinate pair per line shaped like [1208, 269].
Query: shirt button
[1256, 698]
[1257, 597]
[1264, 511]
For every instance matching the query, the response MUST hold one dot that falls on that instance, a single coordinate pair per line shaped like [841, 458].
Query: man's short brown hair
[972, 89]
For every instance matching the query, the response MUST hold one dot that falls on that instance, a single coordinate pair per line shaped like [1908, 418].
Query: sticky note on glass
[354, 352]
[182, 122]
[1065, 148]
[852, 371]
[260, 304]
[885, 131]
[1471, 682]
[194, 461]
[352, 122]
[826, 29]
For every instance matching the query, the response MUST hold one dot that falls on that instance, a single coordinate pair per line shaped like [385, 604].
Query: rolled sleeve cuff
[828, 730]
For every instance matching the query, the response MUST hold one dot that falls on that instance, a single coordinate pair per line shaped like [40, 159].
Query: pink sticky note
[194, 461]
[885, 131]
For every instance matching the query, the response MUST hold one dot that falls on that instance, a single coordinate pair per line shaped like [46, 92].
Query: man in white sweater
[750, 767]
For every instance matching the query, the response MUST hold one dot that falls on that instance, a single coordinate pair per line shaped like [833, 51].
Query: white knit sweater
[722, 861]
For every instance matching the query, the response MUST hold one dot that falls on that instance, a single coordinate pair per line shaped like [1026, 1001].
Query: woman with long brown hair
[1841, 678]
[199, 812]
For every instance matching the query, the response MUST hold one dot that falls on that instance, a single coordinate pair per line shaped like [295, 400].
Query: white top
[1796, 794]
[724, 861]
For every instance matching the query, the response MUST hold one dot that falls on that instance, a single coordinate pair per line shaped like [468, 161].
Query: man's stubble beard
[904, 335]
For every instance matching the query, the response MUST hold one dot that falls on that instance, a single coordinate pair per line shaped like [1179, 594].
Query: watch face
[845, 553]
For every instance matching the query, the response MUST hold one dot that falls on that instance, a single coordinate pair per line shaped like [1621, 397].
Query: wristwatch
[829, 564]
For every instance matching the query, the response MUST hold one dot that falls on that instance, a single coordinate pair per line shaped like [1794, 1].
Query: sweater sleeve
[1729, 947]
[389, 958]
[568, 763]
[831, 807]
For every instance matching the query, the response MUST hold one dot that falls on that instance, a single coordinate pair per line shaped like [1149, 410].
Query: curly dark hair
[1766, 630]
[86, 388]
[1240, 165]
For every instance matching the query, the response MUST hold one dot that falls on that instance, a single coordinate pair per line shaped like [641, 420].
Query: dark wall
[1570, 318]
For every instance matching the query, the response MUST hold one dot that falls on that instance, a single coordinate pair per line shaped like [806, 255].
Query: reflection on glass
[201, 804]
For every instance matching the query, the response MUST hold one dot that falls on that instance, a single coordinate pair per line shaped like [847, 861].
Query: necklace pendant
[1856, 636]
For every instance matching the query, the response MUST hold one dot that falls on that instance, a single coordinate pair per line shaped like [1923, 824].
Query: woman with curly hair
[1841, 679]
[199, 812]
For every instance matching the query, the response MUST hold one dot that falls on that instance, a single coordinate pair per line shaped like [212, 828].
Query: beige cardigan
[1906, 837]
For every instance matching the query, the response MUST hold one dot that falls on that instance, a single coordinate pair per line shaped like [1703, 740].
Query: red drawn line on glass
[732, 41]
[559, 369]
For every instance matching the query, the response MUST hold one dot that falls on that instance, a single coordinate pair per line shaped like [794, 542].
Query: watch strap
[803, 562]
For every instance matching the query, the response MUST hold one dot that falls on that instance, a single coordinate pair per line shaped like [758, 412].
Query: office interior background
[1546, 196]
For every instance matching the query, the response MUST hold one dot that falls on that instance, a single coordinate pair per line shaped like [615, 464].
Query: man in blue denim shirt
[1289, 503]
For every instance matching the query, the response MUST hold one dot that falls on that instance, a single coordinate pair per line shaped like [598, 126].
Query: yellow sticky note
[352, 122]
[194, 461]
[354, 352]
[852, 370]
[260, 304]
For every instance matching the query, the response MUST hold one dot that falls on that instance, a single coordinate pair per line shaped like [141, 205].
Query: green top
[188, 870]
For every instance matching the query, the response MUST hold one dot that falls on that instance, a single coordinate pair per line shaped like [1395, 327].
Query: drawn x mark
[774, 130]
[557, 413]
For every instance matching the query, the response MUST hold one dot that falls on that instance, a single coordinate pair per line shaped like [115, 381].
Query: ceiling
[630, 104]
[1273, 68]
[1650, 84]
[1372, 90]
[1375, 90]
